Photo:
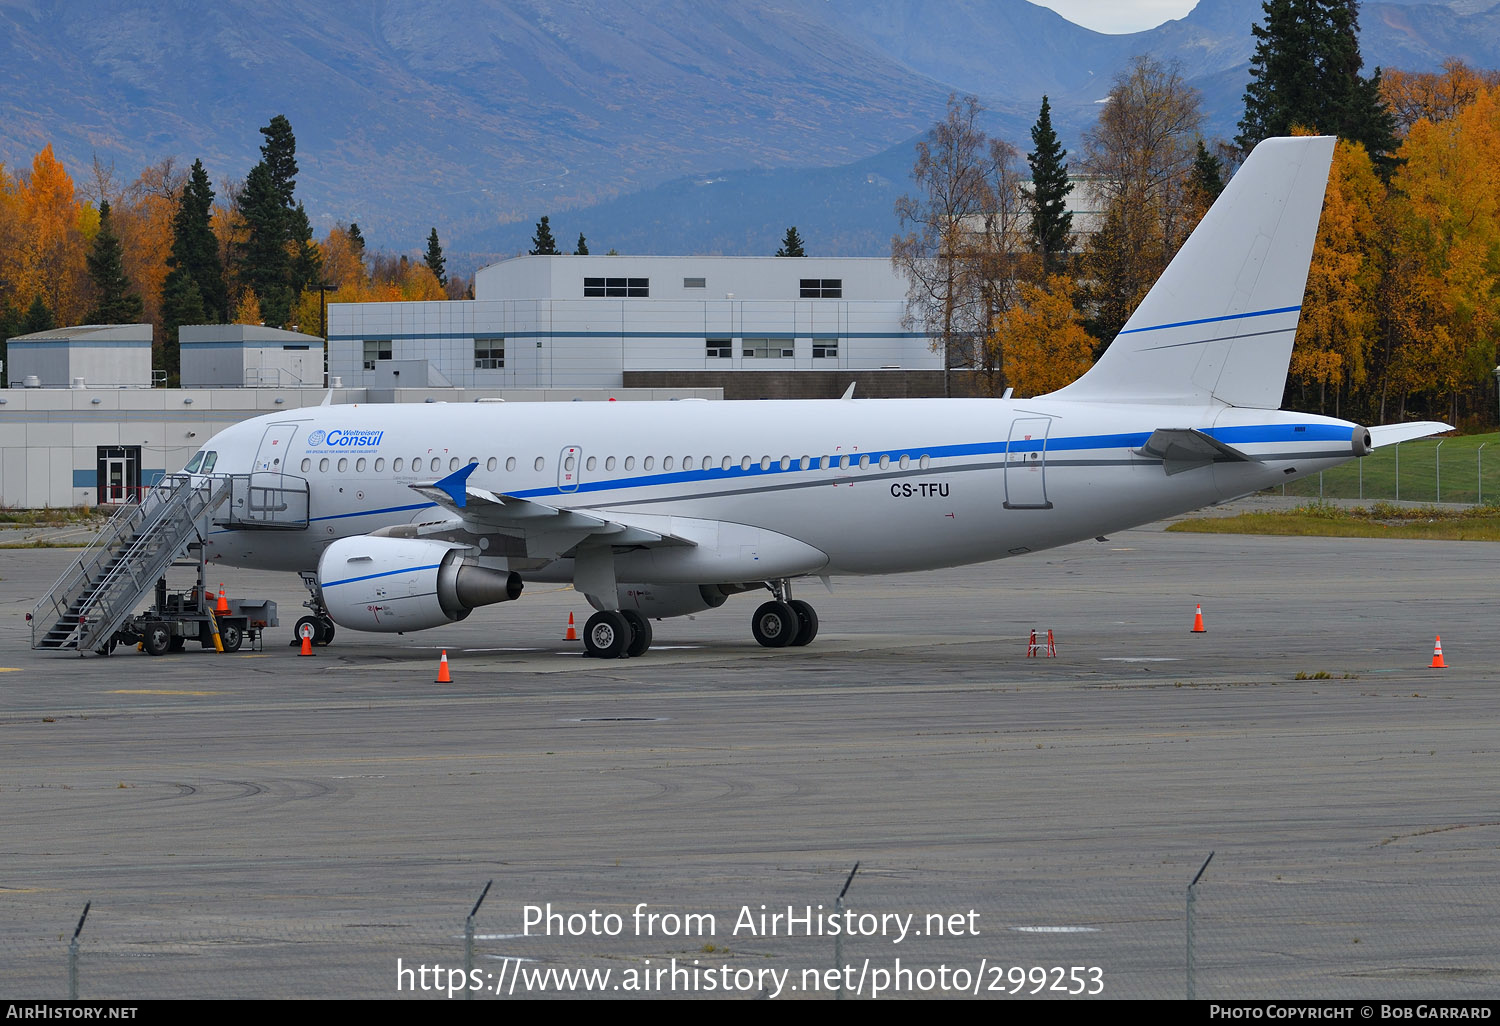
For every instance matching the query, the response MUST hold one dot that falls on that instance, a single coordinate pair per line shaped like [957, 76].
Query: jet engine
[406, 584]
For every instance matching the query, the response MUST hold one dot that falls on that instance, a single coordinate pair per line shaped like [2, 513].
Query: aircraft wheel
[640, 633]
[318, 635]
[807, 623]
[606, 635]
[775, 624]
[157, 640]
[232, 637]
[325, 627]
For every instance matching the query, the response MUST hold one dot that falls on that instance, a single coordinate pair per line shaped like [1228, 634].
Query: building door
[119, 474]
[1026, 464]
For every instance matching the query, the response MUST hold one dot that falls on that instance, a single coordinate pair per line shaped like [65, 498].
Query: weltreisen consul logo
[344, 439]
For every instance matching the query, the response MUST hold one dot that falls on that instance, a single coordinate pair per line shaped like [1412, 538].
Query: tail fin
[1219, 323]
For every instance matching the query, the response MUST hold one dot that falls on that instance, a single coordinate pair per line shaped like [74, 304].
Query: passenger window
[379, 465]
[192, 464]
[786, 462]
[359, 465]
[844, 462]
[609, 463]
[648, 463]
[540, 463]
[453, 463]
[568, 463]
[885, 461]
[397, 464]
[323, 465]
[864, 462]
[510, 463]
[726, 464]
[824, 462]
[591, 463]
[745, 463]
[491, 463]
[666, 463]
[209, 459]
[687, 463]
[472, 461]
[306, 465]
[765, 463]
[804, 463]
[437, 462]
[343, 464]
[905, 461]
[924, 461]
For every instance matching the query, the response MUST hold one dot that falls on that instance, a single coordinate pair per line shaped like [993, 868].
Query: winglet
[327, 399]
[849, 392]
[456, 484]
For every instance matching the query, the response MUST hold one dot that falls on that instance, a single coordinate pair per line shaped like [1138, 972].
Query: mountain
[650, 125]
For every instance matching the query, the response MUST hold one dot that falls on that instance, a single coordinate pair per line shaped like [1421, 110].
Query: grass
[1380, 520]
[1430, 472]
[52, 516]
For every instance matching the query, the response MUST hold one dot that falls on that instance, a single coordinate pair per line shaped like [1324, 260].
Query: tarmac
[263, 824]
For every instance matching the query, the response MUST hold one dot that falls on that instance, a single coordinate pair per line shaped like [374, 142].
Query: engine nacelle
[658, 601]
[406, 584]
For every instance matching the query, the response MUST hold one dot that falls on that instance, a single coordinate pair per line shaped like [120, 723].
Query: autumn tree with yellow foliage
[1040, 340]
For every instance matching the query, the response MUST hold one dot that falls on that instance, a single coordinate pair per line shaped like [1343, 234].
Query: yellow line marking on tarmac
[10, 669]
[161, 692]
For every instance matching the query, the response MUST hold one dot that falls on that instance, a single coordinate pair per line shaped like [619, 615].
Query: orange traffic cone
[572, 634]
[1198, 627]
[1437, 655]
[223, 606]
[306, 644]
[442, 677]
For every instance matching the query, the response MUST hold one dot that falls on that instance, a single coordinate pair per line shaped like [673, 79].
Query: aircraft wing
[1390, 434]
[547, 530]
[1182, 449]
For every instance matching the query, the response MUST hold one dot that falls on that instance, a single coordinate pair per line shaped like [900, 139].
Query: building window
[695, 283]
[825, 348]
[633, 288]
[822, 288]
[719, 348]
[489, 354]
[376, 351]
[769, 348]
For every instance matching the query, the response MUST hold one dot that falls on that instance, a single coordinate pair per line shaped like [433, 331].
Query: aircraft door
[273, 447]
[569, 469]
[1026, 464]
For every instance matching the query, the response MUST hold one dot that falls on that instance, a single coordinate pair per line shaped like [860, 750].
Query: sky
[1119, 15]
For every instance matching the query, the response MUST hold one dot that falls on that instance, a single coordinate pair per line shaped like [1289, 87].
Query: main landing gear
[784, 621]
[322, 623]
[614, 634]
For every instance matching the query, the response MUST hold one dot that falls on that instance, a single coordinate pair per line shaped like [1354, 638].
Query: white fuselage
[879, 486]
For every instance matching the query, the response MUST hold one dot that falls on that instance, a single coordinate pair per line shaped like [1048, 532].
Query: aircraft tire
[325, 632]
[807, 623]
[640, 633]
[606, 635]
[157, 640]
[320, 634]
[775, 624]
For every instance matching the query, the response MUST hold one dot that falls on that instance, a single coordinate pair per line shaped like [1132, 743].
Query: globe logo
[316, 438]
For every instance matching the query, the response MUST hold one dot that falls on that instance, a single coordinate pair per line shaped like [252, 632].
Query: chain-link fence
[893, 935]
[1461, 470]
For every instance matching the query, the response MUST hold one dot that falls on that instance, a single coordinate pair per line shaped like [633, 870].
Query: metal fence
[1430, 470]
[1226, 937]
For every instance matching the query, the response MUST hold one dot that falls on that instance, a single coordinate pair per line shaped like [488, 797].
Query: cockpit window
[209, 459]
[192, 466]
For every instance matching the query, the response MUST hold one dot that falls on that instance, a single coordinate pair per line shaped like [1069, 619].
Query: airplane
[419, 514]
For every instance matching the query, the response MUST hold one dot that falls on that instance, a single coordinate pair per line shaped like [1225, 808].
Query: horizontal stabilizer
[1390, 434]
[1182, 449]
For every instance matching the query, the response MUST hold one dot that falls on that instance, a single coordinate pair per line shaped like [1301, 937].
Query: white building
[248, 356]
[547, 321]
[96, 355]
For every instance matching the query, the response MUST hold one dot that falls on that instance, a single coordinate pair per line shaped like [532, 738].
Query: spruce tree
[583, 246]
[195, 252]
[435, 261]
[791, 244]
[1206, 180]
[1051, 221]
[542, 243]
[1305, 73]
[38, 317]
[266, 205]
[357, 239]
[116, 303]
